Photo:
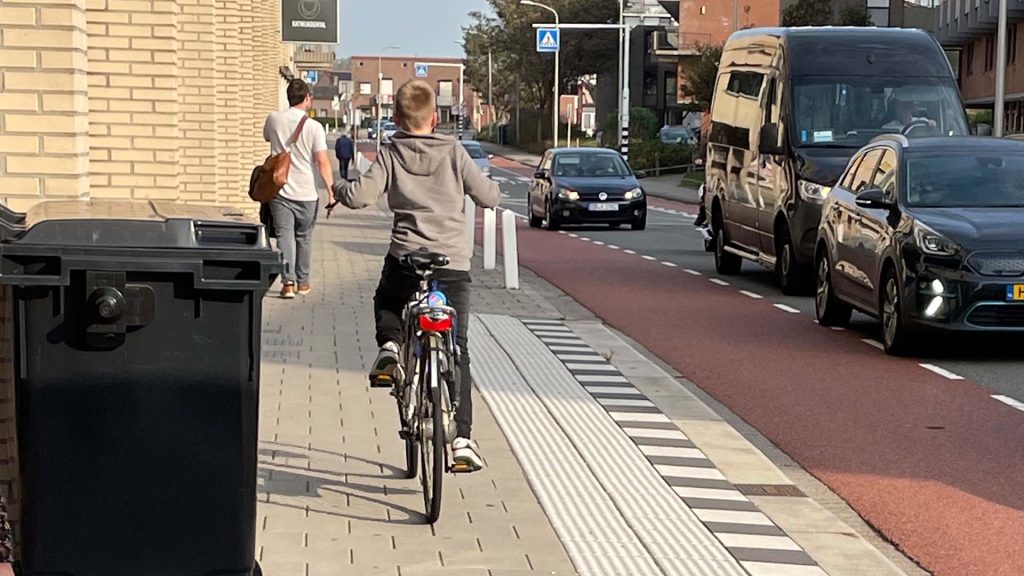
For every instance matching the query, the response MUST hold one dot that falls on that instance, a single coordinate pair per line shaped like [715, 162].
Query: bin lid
[132, 224]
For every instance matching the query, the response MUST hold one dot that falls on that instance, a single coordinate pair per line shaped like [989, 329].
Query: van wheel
[726, 263]
[792, 278]
[829, 310]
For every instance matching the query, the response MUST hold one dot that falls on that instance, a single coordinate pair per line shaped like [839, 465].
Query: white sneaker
[382, 375]
[466, 453]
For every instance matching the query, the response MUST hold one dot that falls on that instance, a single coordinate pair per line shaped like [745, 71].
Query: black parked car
[586, 186]
[925, 234]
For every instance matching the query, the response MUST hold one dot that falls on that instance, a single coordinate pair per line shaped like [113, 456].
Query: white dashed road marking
[753, 295]
[669, 264]
[785, 308]
[719, 282]
[874, 343]
[1009, 401]
[693, 272]
[941, 371]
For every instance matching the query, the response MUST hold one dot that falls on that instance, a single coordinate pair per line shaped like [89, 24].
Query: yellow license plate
[1015, 292]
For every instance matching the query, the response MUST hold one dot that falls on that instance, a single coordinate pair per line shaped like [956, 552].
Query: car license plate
[603, 207]
[1015, 292]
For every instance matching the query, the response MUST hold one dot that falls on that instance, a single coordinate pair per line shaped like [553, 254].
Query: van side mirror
[768, 143]
[541, 174]
[874, 198]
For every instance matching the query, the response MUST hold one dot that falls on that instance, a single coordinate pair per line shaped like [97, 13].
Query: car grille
[594, 196]
[997, 263]
[997, 316]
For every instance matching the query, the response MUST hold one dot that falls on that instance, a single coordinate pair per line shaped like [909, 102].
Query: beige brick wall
[43, 104]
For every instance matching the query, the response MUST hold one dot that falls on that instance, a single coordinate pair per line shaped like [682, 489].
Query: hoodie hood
[422, 155]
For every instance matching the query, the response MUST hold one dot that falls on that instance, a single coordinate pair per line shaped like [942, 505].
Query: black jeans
[343, 167]
[397, 286]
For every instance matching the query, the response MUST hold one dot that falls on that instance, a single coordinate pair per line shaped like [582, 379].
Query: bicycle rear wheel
[432, 438]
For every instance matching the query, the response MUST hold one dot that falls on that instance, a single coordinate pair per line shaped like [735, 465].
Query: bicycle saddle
[423, 260]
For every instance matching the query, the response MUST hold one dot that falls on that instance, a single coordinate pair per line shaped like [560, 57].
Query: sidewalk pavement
[667, 187]
[599, 462]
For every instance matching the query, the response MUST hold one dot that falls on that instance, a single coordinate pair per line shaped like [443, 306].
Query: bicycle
[424, 381]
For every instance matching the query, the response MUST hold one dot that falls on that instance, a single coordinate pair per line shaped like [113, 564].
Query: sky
[369, 25]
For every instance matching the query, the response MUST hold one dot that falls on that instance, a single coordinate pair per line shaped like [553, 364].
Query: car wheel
[640, 223]
[829, 310]
[550, 220]
[535, 221]
[726, 263]
[791, 276]
[895, 335]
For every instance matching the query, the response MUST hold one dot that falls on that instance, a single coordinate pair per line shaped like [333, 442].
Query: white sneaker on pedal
[466, 453]
[383, 373]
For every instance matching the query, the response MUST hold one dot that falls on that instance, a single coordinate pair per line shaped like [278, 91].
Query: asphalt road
[926, 449]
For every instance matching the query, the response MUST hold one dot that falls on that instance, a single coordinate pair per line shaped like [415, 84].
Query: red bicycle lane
[933, 464]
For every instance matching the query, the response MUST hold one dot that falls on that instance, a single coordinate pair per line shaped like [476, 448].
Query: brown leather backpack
[266, 180]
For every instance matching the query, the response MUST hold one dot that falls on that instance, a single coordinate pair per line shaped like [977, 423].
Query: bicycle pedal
[381, 381]
[461, 468]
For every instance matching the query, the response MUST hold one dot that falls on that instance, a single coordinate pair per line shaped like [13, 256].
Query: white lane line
[584, 238]
[562, 232]
[638, 417]
[646, 257]
[719, 282]
[571, 235]
[941, 371]
[669, 264]
[874, 343]
[838, 328]
[689, 472]
[629, 251]
[693, 272]
[594, 357]
[598, 243]
[785, 308]
[1009, 401]
[613, 246]
[751, 294]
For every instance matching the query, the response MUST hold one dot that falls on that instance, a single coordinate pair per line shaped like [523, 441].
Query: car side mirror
[640, 174]
[768, 143]
[490, 156]
[874, 198]
[541, 174]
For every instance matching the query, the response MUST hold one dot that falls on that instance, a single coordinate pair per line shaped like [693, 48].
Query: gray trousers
[294, 221]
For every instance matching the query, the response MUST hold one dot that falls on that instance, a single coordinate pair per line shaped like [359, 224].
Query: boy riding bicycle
[426, 177]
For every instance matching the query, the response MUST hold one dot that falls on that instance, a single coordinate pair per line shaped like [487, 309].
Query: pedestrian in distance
[426, 178]
[295, 209]
[345, 151]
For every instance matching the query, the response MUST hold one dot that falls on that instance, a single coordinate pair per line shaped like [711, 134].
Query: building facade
[968, 28]
[147, 99]
[397, 70]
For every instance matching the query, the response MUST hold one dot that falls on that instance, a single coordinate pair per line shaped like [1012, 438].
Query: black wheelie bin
[137, 330]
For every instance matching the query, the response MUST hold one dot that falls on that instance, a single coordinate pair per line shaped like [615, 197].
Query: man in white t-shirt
[294, 210]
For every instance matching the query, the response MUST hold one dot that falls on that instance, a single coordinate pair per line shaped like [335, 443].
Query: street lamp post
[380, 88]
[554, 113]
[622, 79]
[1000, 95]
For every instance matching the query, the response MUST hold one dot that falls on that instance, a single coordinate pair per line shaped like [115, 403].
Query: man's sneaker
[288, 290]
[304, 289]
[382, 375]
[466, 455]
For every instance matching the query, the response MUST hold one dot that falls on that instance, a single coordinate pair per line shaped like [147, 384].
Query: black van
[791, 107]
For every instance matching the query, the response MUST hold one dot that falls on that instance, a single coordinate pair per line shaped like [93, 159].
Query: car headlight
[813, 192]
[634, 194]
[566, 194]
[932, 243]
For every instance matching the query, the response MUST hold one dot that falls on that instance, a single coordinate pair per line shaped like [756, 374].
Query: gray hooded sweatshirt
[426, 179]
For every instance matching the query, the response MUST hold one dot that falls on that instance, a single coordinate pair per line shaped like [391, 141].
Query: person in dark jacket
[345, 150]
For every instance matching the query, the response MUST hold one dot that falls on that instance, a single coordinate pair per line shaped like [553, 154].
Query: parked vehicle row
[840, 158]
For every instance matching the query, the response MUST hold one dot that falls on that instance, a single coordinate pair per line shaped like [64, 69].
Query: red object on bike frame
[435, 323]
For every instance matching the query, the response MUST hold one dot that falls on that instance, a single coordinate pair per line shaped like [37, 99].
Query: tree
[854, 15]
[643, 124]
[700, 80]
[808, 13]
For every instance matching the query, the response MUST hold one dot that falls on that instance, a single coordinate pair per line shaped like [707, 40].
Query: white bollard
[490, 232]
[470, 209]
[510, 249]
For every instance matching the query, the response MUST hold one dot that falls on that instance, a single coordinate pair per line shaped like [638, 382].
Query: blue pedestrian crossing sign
[421, 70]
[547, 40]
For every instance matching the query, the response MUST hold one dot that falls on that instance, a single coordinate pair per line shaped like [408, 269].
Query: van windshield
[848, 112]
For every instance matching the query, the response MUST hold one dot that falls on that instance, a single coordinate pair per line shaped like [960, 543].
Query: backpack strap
[295, 135]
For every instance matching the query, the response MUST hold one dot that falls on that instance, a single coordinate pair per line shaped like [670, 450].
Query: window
[885, 174]
[444, 88]
[590, 165]
[745, 83]
[387, 86]
[986, 179]
[878, 12]
[990, 53]
[1011, 42]
[365, 88]
[848, 180]
[969, 58]
[865, 172]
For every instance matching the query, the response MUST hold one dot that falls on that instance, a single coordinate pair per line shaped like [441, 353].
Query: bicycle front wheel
[432, 437]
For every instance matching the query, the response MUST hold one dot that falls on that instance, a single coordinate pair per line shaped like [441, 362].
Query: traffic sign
[311, 76]
[421, 70]
[547, 40]
[336, 104]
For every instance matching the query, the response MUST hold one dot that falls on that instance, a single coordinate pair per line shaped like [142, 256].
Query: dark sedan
[586, 186]
[925, 234]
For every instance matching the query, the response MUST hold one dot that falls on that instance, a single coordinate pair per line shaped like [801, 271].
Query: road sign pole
[1000, 95]
[624, 126]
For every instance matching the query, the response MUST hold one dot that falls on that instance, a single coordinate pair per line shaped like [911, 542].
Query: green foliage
[700, 80]
[854, 15]
[643, 124]
[808, 13]
[648, 154]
